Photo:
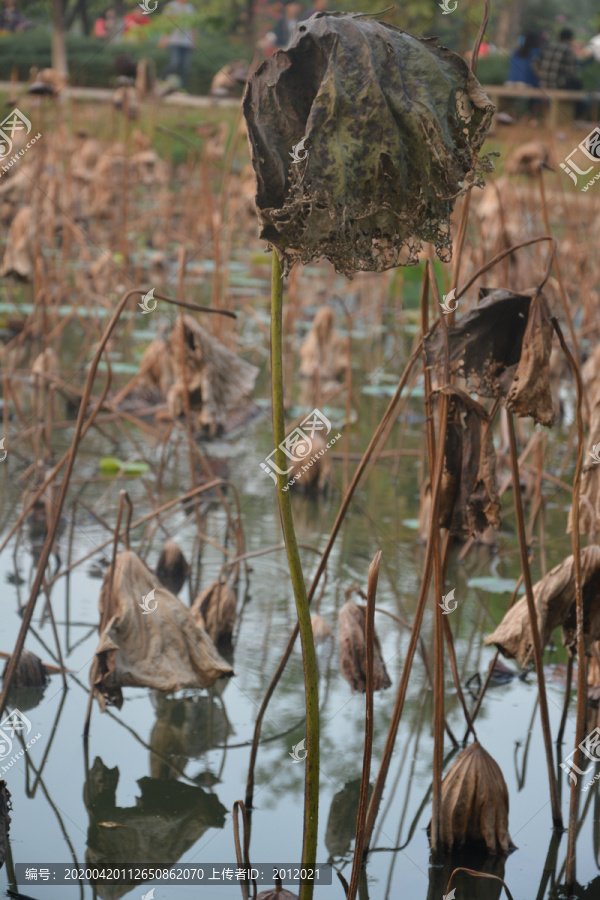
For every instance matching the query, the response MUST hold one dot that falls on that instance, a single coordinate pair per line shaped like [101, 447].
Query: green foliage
[91, 63]
[493, 69]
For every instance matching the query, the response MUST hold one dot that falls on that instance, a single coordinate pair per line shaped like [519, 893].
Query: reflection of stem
[550, 864]
[311, 684]
[521, 775]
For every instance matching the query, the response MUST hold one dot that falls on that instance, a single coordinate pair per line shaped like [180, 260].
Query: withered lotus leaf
[554, 598]
[214, 609]
[216, 379]
[475, 803]
[160, 647]
[502, 348]
[593, 673]
[30, 671]
[469, 501]
[353, 650]
[386, 129]
[277, 893]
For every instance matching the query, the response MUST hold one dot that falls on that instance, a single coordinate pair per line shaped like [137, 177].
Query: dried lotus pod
[475, 803]
[353, 650]
[277, 893]
[172, 568]
[215, 609]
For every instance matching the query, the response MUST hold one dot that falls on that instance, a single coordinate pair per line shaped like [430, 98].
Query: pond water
[160, 776]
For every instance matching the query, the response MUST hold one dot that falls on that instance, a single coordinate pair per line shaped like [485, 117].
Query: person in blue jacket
[520, 71]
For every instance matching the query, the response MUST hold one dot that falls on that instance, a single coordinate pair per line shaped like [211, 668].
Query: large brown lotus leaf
[469, 500]
[389, 127]
[475, 803]
[554, 598]
[324, 350]
[502, 348]
[216, 379]
[589, 499]
[353, 650]
[215, 610]
[164, 649]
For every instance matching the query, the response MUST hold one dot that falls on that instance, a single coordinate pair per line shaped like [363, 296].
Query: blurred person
[520, 71]
[556, 64]
[11, 19]
[285, 25]
[106, 26]
[318, 6]
[180, 39]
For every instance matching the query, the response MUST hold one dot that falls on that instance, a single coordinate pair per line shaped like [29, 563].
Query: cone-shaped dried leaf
[216, 379]
[30, 671]
[321, 629]
[469, 500]
[4, 821]
[589, 501]
[389, 127]
[324, 350]
[215, 611]
[554, 598]
[353, 650]
[475, 803]
[172, 568]
[502, 347]
[161, 648]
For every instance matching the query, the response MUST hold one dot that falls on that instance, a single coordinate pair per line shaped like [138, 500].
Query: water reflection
[167, 819]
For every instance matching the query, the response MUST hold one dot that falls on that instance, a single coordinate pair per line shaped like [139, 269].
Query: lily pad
[111, 465]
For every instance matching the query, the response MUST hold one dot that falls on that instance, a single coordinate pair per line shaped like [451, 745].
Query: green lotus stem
[311, 688]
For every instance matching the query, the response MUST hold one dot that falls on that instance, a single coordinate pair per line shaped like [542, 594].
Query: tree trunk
[59, 47]
[509, 25]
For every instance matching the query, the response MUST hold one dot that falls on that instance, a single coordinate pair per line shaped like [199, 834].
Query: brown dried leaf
[469, 501]
[163, 649]
[172, 568]
[554, 598]
[475, 803]
[321, 629]
[353, 650]
[324, 350]
[18, 254]
[217, 380]
[215, 610]
[502, 347]
[528, 159]
[30, 671]
[277, 893]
